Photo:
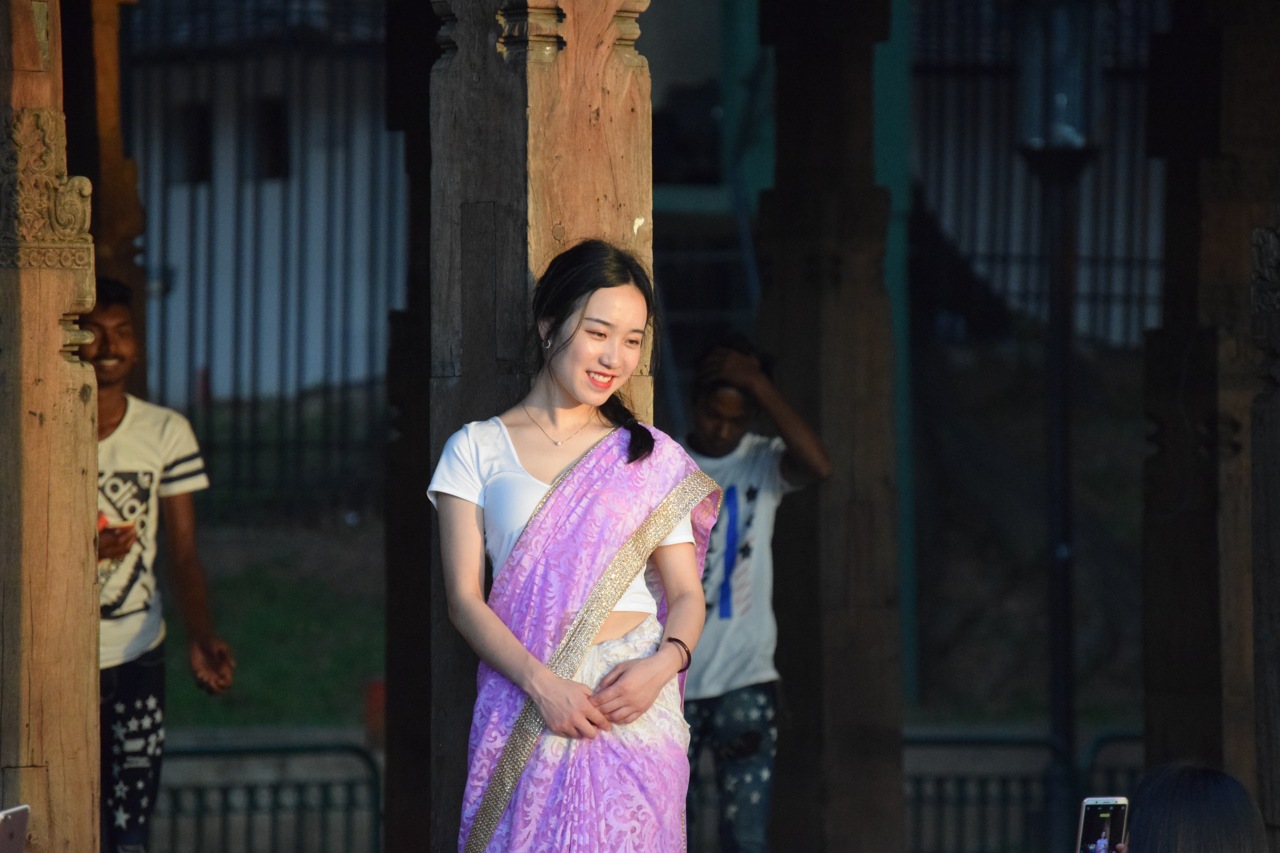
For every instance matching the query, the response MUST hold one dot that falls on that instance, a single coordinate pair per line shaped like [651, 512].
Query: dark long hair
[569, 280]
[1188, 808]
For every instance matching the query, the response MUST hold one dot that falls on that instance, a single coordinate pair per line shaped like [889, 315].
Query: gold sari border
[572, 649]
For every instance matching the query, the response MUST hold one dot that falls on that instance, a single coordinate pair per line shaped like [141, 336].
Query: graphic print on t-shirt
[726, 582]
[127, 494]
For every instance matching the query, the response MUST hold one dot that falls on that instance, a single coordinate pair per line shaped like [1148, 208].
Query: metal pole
[1059, 170]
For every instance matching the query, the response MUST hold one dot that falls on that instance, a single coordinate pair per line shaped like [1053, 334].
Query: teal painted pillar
[746, 96]
[893, 172]
[747, 127]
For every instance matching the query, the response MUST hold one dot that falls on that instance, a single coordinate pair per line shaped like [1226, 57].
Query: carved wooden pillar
[825, 314]
[1251, 131]
[1182, 644]
[1251, 137]
[48, 468]
[1211, 565]
[1266, 532]
[539, 137]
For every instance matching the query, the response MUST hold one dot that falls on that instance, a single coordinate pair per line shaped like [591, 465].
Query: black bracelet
[688, 655]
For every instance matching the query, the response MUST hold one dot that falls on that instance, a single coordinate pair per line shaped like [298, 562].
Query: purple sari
[528, 789]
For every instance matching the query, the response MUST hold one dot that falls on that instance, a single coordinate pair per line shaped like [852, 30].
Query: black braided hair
[569, 280]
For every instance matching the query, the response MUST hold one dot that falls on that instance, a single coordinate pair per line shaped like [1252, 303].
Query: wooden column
[48, 469]
[539, 137]
[1265, 729]
[1211, 564]
[95, 149]
[1182, 645]
[1251, 135]
[826, 314]
[411, 41]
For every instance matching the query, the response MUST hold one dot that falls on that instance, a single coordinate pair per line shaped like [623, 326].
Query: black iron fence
[276, 240]
[976, 187]
[308, 798]
[963, 794]
[968, 794]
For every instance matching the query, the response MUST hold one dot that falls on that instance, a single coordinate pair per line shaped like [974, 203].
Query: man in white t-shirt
[149, 466]
[730, 691]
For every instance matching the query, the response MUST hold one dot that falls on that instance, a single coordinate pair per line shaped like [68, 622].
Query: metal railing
[977, 186]
[993, 801]
[983, 794]
[1103, 775]
[276, 242]
[308, 798]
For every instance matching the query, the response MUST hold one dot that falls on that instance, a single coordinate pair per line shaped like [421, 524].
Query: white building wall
[263, 288]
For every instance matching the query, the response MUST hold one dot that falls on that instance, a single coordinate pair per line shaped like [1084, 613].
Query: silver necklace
[547, 434]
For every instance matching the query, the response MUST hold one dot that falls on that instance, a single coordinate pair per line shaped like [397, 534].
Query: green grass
[304, 651]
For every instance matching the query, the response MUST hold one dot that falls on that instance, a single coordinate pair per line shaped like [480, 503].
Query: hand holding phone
[115, 539]
[1103, 824]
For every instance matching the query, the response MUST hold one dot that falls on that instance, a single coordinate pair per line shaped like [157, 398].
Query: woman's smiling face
[595, 350]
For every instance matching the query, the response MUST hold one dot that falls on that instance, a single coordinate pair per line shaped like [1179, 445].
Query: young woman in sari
[597, 527]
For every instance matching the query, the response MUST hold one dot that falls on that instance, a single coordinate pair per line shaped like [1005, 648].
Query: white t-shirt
[152, 454]
[479, 464]
[738, 640]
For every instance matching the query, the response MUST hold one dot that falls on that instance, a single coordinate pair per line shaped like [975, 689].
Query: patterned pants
[741, 734]
[131, 714]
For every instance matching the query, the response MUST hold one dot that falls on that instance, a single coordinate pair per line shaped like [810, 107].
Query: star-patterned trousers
[741, 733]
[131, 715]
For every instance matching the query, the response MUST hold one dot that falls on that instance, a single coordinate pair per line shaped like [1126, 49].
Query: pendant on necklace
[547, 434]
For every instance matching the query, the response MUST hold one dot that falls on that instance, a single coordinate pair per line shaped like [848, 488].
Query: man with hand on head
[731, 689]
[149, 466]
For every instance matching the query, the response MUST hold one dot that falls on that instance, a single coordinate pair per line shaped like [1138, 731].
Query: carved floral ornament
[1265, 293]
[44, 214]
[533, 30]
[1266, 257]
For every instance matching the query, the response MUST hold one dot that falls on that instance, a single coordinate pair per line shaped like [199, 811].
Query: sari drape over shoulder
[528, 789]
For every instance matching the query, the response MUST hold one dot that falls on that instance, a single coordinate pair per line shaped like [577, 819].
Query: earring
[546, 344]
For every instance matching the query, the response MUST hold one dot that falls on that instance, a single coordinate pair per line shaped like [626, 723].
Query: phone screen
[1102, 824]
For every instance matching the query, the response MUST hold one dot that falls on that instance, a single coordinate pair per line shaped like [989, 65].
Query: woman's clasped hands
[570, 709]
[567, 708]
[631, 687]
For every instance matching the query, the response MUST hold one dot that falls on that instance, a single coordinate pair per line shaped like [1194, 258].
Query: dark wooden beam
[825, 314]
[1210, 559]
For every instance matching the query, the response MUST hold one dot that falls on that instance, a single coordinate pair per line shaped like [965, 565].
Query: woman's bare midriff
[618, 623]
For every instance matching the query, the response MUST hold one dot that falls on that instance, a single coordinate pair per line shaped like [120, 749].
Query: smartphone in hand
[115, 539]
[1103, 822]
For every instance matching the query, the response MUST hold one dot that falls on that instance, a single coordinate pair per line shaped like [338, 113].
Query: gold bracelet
[688, 655]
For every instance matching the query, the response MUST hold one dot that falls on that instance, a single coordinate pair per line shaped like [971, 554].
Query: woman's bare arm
[631, 687]
[565, 705]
